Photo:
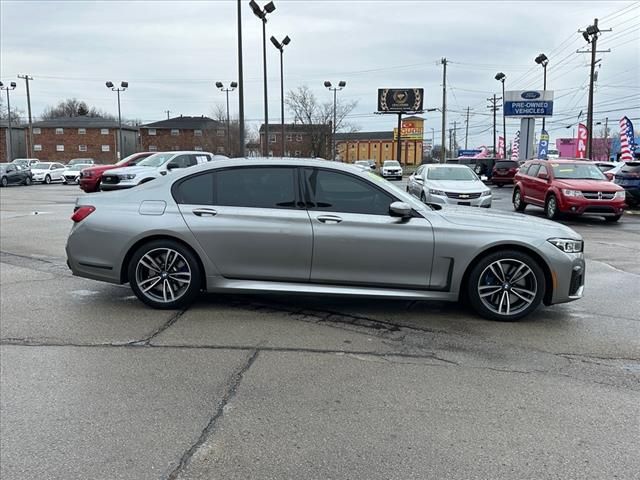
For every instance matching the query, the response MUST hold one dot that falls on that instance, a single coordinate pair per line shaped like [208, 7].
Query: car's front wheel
[27, 181]
[518, 202]
[165, 274]
[4, 182]
[47, 179]
[506, 285]
[423, 198]
[551, 207]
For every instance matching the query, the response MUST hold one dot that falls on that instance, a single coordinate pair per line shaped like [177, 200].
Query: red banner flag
[581, 146]
[500, 147]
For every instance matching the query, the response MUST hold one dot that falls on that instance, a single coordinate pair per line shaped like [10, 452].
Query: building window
[82, 131]
[106, 148]
[375, 146]
[152, 131]
[386, 146]
[221, 133]
[197, 149]
[59, 148]
[298, 138]
[197, 133]
[175, 132]
[82, 148]
[289, 137]
[104, 131]
[220, 149]
[59, 131]
[37, 131]
[272, 139]
[37, 148]
[153, 148]
[353, 146]
[298, 153]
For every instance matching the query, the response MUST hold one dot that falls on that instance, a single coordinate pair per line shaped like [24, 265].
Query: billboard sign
[410, 131]
[400, 99]
[528, 103]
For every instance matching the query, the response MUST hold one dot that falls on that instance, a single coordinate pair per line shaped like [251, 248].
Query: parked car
[610, 174]
[628, 177]
[47, 172]
[25, 162]
[567, 186]
[605, 166]
[366, 164]
[299, 225]
[77, 161]
[391, 169]
[91, 177]
[71, 174]
[504, 171]
[152, 167]
[449, 184]
[12, 174]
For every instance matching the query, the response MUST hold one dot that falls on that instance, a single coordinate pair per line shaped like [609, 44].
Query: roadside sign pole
[527, 132]
[399, 140]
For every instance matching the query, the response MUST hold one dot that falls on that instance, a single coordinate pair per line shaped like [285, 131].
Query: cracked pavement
[93, 384]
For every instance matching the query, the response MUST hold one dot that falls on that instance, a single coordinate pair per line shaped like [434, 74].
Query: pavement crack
[230, 392]
[147, 340]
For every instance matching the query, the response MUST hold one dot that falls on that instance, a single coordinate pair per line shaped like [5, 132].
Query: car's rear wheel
[47, 179]
[4, 182]
[612, 219]
[165, 274]
[27, 181]
[518, 203]
[506, 286]
[551, 207]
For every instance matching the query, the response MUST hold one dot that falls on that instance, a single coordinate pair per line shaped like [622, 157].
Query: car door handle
[329, 219]
[204, 212]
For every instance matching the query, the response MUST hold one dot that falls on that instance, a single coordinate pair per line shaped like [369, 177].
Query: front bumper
[581, 206]
[567, 274]
[89, 184]
[393, 174]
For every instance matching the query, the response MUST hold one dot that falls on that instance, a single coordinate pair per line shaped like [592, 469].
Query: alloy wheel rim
[516, 200]
[163, 275]
[507, 286]
[551, 206]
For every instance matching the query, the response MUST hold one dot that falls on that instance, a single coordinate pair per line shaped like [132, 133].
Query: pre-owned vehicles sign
[528, 103]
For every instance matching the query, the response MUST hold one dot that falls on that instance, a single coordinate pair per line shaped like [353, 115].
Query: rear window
[631, 167]
[506, 164]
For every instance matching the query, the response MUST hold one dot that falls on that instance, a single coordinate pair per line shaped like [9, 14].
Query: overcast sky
[172, 53]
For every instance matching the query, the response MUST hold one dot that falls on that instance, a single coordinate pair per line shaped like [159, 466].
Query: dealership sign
[528, 103]
[400, 99]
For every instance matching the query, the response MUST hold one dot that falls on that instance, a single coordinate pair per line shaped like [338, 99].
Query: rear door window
[533, 170]
[257, 187]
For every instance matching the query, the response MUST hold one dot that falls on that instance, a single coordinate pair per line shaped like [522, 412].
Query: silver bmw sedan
[317, 227]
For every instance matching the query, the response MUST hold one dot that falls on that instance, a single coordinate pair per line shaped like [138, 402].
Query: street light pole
[262, 15]
[11, 86]
[341, 85]
[232, 87]
[280, 47]
[501, 77]
[544, 61]
[240, 85]
[123, 87]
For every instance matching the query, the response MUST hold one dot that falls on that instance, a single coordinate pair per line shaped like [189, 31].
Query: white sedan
[71, 174]
[47, 172]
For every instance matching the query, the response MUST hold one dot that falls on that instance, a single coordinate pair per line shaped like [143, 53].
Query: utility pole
[591, 36]
[167, 112]
[444, 107]
[30, 146]
[494, 108]
[606, 137]
[466, 133]
[241, 148]
[455, 140]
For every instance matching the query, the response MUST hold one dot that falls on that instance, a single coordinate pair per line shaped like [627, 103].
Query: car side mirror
[171, 166]
[400, 209]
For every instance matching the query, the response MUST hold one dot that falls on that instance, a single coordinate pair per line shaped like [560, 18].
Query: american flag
[515, 148]
[627, 140]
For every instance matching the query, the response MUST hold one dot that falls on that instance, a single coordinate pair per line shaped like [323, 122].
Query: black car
[628, 177]
[12, 174]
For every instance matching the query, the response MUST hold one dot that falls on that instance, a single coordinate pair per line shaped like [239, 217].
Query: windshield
[126, 160]
[78, 166]
[41, 166]
[155, 160]
[451, 173]
[506, 164]
[391, 163]
[577, 171]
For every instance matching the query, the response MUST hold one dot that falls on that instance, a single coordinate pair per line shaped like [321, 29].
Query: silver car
[314, 227]
[449, 184]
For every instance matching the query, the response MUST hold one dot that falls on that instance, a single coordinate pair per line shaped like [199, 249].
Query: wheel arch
[124, 270]
[548, 277]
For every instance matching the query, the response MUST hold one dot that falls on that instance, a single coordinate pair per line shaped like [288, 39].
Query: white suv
[391, 169]
[152, 167]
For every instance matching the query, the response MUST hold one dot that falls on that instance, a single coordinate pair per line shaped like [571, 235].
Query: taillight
[82, 212]
[513, 170]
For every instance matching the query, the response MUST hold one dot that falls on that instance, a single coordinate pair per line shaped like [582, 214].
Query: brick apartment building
[300, 140]
[18, 142]
[184, 133]
[62, 139]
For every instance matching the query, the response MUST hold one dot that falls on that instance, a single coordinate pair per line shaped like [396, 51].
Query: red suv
[504, 172]
[567, 186]
[91, 177]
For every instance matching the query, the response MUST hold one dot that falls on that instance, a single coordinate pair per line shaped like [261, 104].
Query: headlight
[620, 195]
[86, 174]
[436, 192]
[567, 245]
[571, 193]
[128, 176]
[486, 193]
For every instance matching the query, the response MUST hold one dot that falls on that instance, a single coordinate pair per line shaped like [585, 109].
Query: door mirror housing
[172, 165]
[400, 209]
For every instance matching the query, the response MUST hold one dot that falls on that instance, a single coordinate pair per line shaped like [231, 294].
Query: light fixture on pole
[544, 61]
[261, 13]
[11, 86]
[122, 88]
[341, 85]
[231, 88]
[280, 47]
[501, 77]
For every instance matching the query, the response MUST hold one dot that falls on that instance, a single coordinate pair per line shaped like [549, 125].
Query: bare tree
[17, 115]
[72, 107]
[318, 117]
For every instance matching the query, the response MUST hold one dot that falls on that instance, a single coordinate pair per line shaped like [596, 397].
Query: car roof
[447, 165]
[271, 161]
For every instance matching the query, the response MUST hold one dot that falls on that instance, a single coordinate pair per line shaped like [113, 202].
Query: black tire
[423, 198]
[4, 182]
[499, 185]
[47, 179]
[482, 278]
[518, 203]
[612, 219]
[27, 181]
[551, 207]
[185, 264]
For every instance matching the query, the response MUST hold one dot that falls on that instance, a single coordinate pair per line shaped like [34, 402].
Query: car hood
[507, 221]
[593, 185]
[132, 170]
[39, 170]
[462, 186]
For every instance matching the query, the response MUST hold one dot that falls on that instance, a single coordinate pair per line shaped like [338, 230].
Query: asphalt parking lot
[96, 385]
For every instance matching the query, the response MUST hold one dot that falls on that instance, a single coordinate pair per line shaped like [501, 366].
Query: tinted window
[506, 164]
[269, 187]
[197, 190]
[183, 161]
[340, 192]
[631, 167]
[533, 170]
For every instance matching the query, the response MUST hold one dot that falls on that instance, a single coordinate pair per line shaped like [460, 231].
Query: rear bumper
[502, 180]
